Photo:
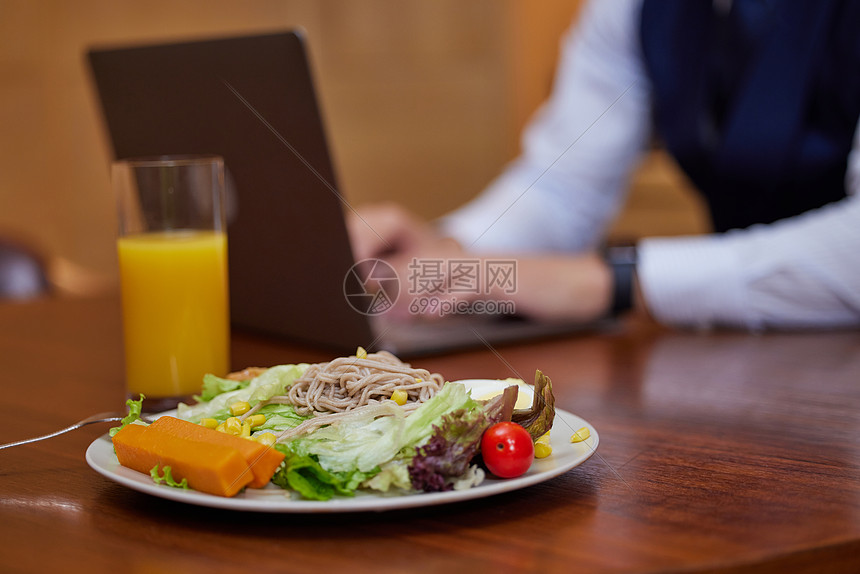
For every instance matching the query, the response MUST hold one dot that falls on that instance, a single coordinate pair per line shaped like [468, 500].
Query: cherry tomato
[507, 449]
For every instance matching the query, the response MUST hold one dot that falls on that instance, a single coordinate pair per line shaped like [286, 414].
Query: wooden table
[719, 452]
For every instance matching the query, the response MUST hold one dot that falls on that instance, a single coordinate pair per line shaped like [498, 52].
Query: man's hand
[386, 230]
[562, 287]
[548, 287]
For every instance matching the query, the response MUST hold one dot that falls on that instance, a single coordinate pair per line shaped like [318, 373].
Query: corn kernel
[221, 427]
[209, 423]
[580, 435]
[265, 438]
[542, 450]
[256, 420]
[232, 426]
[360, 353]
[542, 447]
[239, 408]
[246, 430]
[399, 396]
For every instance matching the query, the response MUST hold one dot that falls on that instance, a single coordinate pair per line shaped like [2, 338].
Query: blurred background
[424, 101]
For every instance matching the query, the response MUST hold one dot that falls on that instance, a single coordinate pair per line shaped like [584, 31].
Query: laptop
[251, 99]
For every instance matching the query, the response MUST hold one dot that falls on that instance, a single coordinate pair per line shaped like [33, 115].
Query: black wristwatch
[622, 263]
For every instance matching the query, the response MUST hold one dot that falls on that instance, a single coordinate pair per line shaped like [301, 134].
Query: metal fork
[96, 418]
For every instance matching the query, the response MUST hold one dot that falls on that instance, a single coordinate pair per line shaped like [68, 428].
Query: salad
[414, 432]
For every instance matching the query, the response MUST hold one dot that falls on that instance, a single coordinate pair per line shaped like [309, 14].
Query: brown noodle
[348, 383]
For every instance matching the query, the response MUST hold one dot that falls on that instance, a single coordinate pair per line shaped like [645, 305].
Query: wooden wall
[424, 101]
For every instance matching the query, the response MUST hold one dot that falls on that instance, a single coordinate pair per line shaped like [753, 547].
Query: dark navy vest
[759, 109]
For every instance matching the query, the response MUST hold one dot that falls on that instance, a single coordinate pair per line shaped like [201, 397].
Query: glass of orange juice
[172, 248]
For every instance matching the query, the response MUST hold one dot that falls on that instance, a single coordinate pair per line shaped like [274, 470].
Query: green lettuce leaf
[366, 442]
[214, 386]
[304, 475]
[280, 418]
[359, 443]
[393, 474]
[134, 409]
[167, 478]
[272, 382]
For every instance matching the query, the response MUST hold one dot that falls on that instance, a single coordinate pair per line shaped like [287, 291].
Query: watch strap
[622, 263]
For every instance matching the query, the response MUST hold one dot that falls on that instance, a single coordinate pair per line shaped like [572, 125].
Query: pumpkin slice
[263, 460]
[210, 467]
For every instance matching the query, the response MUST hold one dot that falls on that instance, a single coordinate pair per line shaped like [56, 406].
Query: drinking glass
[172, 248]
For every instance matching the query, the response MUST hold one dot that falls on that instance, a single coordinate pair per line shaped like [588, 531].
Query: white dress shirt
[571, 179]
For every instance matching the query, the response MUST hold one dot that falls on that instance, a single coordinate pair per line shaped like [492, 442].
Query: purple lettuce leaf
[455, 442]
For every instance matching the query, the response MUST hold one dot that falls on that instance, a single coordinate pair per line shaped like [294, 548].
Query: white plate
[565, 456]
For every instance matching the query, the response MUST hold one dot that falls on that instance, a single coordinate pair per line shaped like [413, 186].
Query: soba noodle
[348, 383]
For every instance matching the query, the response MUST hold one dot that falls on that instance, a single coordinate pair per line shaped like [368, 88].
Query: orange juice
[175, 310]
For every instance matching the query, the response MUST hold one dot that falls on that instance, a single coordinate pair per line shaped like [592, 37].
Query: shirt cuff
[693, 282]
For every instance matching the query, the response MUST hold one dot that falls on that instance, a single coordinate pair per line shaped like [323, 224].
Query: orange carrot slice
[208, 467]
[262, 459]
